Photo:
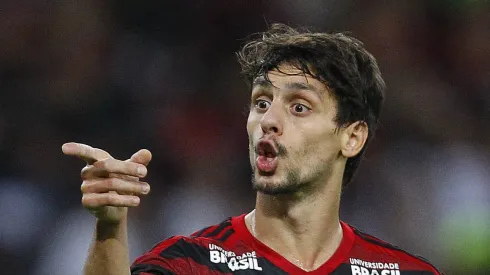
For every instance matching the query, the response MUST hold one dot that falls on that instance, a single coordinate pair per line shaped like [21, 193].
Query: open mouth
[266, 161]
[266, 148]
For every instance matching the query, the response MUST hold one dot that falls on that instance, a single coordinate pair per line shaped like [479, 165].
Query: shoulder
[213, 234]
[371, 252]
[219, 232]
[180, 254]
[170, 256]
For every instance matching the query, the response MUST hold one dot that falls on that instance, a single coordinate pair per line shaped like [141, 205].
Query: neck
[305, 229]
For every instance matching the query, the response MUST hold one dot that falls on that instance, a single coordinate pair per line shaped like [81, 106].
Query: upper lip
[266, 147]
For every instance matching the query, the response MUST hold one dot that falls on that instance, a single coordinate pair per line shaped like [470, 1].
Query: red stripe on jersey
[176, 265]
[202, 269]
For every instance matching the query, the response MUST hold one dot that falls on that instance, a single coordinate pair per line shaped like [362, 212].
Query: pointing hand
[109, 185]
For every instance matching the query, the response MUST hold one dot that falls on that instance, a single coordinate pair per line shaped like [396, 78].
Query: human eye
[300, 109]
[262, 105]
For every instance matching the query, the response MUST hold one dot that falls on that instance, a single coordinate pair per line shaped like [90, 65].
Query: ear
[353, 137]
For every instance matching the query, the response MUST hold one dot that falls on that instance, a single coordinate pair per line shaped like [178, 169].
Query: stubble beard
[293, 181]
[289, 185]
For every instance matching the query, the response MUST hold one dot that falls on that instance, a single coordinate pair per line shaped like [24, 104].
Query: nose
[272, 121]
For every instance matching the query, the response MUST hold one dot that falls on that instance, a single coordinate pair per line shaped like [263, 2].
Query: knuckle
[130, 168]
[112, 198]
[90, 186]
[84, 187]
[104, 199]
[84, 173]
[101, 164]
[110, 183]
[87, 201]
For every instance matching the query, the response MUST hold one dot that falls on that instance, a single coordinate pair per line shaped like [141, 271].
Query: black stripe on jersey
[184, 249]
[376, 241]
[200, 232]
[226, 235]
[176, 250]
[137, 269]
[219, 229]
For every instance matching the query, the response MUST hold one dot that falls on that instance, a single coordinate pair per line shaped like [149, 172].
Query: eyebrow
[263, 83]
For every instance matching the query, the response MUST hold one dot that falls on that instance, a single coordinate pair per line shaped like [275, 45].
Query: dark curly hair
[338, 60]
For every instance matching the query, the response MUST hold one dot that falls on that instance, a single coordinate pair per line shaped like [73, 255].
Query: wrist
[110, 229]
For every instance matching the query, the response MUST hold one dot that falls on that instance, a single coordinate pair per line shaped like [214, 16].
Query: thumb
[143, 156]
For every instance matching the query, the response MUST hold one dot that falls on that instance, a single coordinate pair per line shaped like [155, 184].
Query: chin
[276, 190]
[274, 185]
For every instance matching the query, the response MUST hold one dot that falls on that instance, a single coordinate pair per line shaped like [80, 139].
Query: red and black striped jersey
[229, 248]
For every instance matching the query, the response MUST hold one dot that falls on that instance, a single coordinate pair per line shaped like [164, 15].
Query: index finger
[85, 152]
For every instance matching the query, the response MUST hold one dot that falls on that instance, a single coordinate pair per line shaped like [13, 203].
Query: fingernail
[146, 189]
[135, 201]
[141, 171]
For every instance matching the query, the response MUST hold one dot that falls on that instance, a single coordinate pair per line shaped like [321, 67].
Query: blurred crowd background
[162, 75]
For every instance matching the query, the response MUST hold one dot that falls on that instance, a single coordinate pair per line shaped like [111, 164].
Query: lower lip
[265, 164]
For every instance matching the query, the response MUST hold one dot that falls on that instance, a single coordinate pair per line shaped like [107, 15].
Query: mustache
[281, 149]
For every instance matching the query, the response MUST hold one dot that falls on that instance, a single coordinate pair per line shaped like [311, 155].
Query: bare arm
[109, 187]
[108, 252]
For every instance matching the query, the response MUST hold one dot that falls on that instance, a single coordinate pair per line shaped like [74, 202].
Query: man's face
[292, 139]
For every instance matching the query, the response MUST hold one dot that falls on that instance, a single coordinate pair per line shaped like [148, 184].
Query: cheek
[328, 146]
[252, 124]
[319, 142]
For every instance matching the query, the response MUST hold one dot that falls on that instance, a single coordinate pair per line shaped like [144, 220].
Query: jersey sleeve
[166, 258]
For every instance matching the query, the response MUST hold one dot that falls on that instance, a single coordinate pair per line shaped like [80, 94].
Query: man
[315, 102]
